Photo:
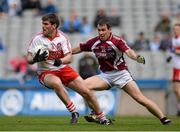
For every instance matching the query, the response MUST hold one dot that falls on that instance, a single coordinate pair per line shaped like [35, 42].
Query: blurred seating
[136, 16]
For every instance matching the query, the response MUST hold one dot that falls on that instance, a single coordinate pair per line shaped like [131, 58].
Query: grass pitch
[61, 123]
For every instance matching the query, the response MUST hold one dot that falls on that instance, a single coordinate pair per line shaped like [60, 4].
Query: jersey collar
[56, 35]
[110, 37]
[177, 36]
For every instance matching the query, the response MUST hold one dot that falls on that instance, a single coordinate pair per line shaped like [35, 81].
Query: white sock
[101, 116]
[71, 107]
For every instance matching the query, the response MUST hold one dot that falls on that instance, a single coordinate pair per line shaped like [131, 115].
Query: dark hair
[177, 24]
[52, 18]
[104, 21]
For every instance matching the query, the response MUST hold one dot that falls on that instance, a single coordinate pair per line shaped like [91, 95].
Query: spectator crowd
[74, 23]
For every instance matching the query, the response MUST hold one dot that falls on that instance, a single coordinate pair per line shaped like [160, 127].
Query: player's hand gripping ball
[44, 50]
[41, 54]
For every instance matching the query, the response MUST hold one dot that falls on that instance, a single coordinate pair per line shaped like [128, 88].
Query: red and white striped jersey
[57, 47]
[109, 53]
[176, 58]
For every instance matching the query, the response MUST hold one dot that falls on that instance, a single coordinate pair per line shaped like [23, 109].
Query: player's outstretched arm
[133, 55]
[76, 50]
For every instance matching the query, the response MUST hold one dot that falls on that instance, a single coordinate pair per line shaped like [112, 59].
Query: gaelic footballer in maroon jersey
[109, 50]
[108, 53]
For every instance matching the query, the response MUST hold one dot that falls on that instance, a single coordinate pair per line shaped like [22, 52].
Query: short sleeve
[66, 47]
[87, 46]
[122, 45]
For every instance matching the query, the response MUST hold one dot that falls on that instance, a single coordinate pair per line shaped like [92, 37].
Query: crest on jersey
[103, 49]
[59, 47]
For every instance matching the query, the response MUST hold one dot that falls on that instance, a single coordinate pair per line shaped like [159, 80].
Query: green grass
[61, 123]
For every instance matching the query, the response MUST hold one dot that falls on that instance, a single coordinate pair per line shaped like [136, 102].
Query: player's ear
[109, 28]
[55, 26]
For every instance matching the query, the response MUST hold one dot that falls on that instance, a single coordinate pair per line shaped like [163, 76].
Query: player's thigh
[52, 81]
[176, 87]
[78, 84]
[133, 90]
[92, 83]
[96, 83]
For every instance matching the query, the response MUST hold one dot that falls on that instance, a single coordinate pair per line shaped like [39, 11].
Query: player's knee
[86, 94]
[88, 84]
[176, 91]
[55, 86]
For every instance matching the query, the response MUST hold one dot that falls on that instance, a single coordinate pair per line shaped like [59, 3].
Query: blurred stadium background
[29, 98]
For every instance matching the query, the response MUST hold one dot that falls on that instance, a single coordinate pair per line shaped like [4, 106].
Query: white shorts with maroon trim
[176, 74]
[116, 78]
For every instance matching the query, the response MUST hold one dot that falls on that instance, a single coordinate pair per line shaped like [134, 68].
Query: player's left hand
[141, 59]
[57, 62]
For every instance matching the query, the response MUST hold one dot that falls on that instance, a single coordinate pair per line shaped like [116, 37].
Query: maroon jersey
[109, 53]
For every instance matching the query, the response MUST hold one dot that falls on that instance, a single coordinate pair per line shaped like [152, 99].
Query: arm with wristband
[65, 60]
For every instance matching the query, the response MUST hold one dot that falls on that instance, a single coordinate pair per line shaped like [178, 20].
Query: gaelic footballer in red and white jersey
[57, 47]
[176, 46]
[176, 59]
[109, 53]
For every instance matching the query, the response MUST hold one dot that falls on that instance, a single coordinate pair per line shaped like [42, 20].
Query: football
[42, 50]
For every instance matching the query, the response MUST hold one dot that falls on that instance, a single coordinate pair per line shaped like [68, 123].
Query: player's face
[48, 28]
[176, 30]
[104, 32]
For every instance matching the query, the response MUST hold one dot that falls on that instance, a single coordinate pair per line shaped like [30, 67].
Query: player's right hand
[40, 57]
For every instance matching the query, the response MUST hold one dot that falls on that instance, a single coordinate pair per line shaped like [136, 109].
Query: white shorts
[116, 78]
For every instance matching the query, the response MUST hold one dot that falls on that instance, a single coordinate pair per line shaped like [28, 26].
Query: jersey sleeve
[87, 45]
[122, 45]
[66, 47]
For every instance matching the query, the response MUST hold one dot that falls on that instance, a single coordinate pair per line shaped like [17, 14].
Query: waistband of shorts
[41, 71]
[113, 71]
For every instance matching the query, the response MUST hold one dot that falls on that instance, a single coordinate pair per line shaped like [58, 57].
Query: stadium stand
[137, 15]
